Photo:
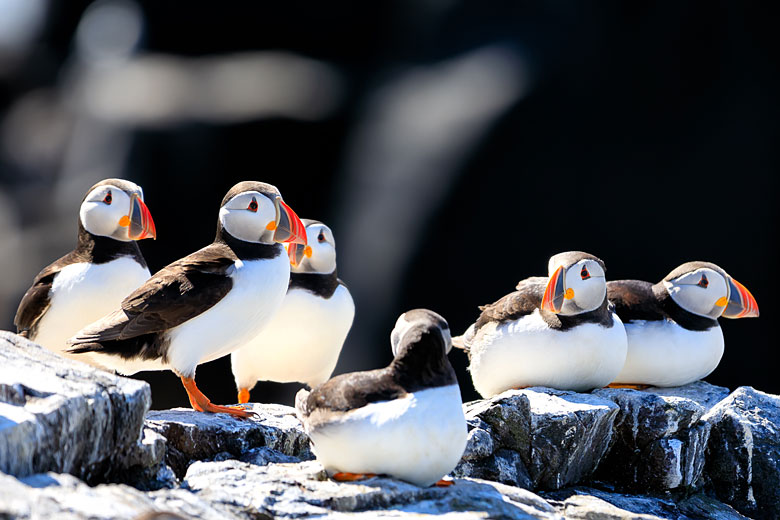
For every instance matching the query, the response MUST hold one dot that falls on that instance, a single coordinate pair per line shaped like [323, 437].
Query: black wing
[175, 294]
[350, 391]
[634, 300]
[36, 301]
[525, 300]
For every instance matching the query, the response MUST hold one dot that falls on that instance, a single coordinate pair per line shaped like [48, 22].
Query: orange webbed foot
[202, 403]
[445, 483]
[629, 386]
[343, 476]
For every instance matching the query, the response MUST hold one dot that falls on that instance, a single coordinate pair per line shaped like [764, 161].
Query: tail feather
[83, 348]
[463, 342]
[301, 401]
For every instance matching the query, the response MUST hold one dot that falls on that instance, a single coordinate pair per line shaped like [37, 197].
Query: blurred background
[452, 146]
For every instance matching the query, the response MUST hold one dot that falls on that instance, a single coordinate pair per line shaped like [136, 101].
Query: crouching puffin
[207, 304]
[90, 281]
[557, 332]
[405, 420]
[672, 326]
[304, 339]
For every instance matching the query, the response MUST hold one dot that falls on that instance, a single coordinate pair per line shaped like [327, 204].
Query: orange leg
[201, 403]
[520, 387]
[628, 385]
[445, 483]
[243, 396]
[352, 477]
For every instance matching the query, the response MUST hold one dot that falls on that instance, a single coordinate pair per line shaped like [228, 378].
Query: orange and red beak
[289, 227]
[554, 293]
[139, 222]
[741, 303]
[296, 252]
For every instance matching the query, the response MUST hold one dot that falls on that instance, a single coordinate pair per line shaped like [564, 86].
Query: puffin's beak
[296, 252]
[741, 303]
[554, 293]
[289, 227]
[139, 222]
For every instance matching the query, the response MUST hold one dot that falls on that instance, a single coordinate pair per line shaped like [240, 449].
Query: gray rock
[504, 466]
[590, 504]
[743, 454]
[194, 436]
[64, 416]
[63, 497]
[559, 436]
[303, 490]
[660, 437]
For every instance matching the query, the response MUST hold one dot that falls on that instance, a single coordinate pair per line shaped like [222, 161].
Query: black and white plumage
[405, 420]
[672, 326]
[90, 281]
[557, 331]
[207, 304]
[303, 341]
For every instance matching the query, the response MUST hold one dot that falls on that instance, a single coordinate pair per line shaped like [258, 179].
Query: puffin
[207, 304]
[557, 331]
[405, 420]
[672, 326]
[303, 341]
[90, 281]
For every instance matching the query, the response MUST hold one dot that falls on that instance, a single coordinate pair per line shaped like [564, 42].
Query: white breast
[526, 352]
[301, 343]
[83, 293]
[662, 353]
[419, 438]
[257, 292]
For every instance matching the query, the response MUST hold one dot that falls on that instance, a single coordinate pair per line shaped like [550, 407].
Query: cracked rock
[743, 453]
[660, 439]
[65, 416]
[560, 437]
[195, 436]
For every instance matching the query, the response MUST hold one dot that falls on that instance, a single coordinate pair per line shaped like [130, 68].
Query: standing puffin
[207, 304]
[304, 339]
[405, 420]
[557, 331]
[672, 326]
[90, 281]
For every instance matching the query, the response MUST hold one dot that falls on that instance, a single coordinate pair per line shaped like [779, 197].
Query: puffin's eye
[703, 282]
[252, 205]
[584, 273]
[107, 199]
[321, 237]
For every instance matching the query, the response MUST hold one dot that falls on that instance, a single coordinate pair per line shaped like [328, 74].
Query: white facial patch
[586, 281]
[102, 211]
[247, 215]
[323, 250]
[699, 291]
[400, 329]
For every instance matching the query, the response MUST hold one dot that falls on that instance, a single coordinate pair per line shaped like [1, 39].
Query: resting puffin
[207, 304]
[557, 332]
[304, 339]
[672, 326]
[405, 420]
[90, 281]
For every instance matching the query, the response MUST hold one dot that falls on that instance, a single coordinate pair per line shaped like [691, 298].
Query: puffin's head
[704, 289]
[115, 208]
[254, 212]
[319, 255]
[576, 284]
[413, 325]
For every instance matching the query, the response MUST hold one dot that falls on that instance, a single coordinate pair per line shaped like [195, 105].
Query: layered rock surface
[535, 453]
[64, 416]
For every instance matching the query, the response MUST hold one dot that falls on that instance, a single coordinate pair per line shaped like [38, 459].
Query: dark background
[452, 146]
